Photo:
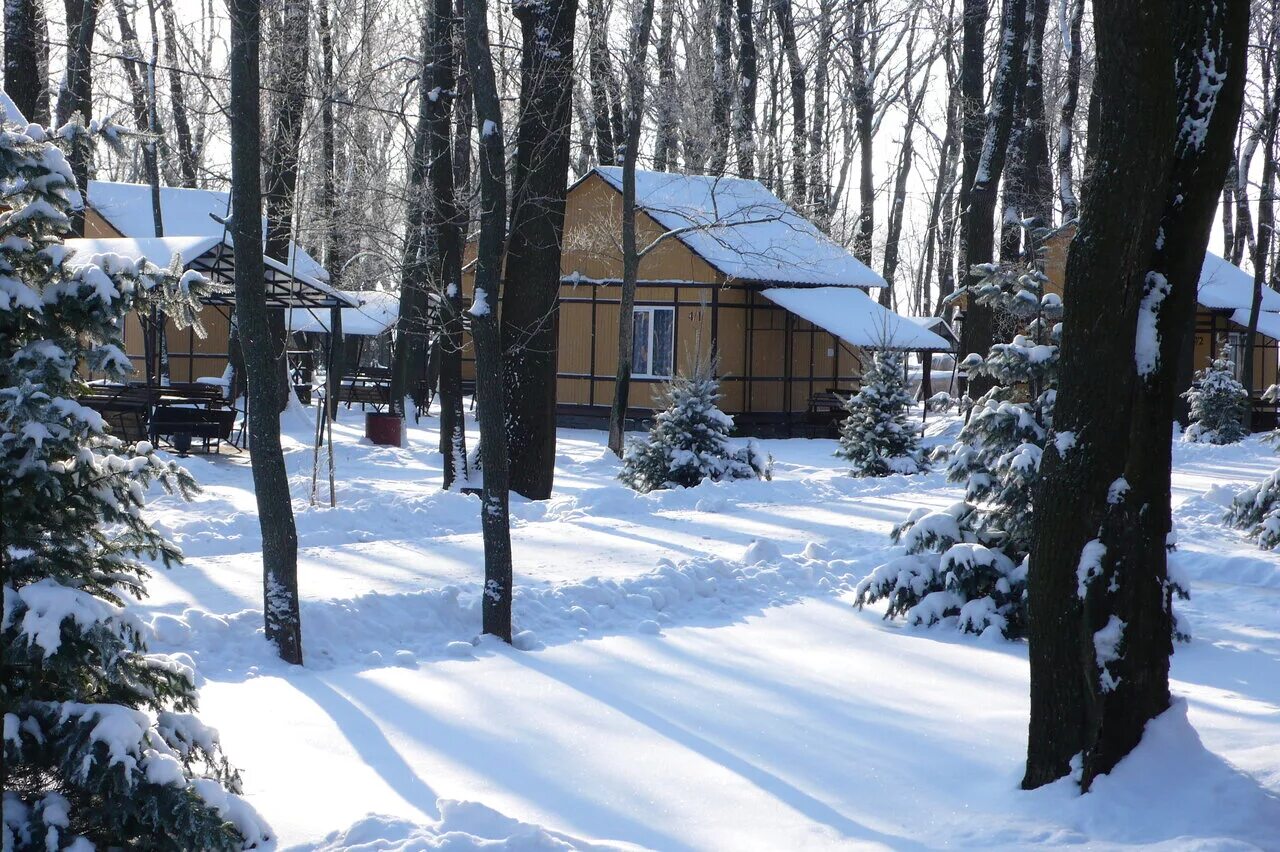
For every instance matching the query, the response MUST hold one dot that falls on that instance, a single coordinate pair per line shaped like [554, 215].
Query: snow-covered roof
[378, 310]
[744, 230]
[183, 211]
[1225, 286]
[1268, 321]
[854, 317]
[937, 325]
[212, 256]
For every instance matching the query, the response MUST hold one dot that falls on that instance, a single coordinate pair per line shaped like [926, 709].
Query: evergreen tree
[877, 437]
[1218, 403]
[689, 441]
[969, 561]
[100, 746]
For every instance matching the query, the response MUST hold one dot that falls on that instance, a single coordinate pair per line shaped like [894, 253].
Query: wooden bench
[366, 389]
[189, 410]
[124, 408]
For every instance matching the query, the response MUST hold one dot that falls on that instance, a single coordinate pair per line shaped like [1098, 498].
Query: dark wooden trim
[591, 391]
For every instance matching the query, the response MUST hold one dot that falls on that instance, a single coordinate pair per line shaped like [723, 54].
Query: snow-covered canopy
[1225, 286]
[12, 114]
[857, 319]
[212, 257]
[184, 212]
[376, 312]
[937, 325]
[744, 230]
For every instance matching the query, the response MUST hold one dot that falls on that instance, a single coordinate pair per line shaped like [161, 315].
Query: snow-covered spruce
[689, 441]
[1256, 510]
[969, 562]
[99, 746]
[877, 436]
[1218, 403]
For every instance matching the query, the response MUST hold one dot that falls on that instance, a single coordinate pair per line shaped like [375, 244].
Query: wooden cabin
[1224, 299]
[117, 211]
[727, 270]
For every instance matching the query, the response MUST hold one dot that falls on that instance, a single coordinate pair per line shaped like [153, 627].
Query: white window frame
[652, 341]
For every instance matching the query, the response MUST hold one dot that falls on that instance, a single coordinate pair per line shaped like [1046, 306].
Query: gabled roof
[857, 319]
[743, 230]
[184, 212]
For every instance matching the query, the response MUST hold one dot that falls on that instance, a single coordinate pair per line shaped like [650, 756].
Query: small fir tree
[969, 561]
[689, 441]
[100, 746]
[877, 436]
[1218, 403]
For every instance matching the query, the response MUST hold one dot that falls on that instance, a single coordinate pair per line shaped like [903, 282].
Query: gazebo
[200, 408]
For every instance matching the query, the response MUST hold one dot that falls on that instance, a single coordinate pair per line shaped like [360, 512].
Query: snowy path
[766, 715]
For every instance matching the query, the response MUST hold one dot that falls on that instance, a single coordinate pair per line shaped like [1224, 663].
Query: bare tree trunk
[599, 72]
[787, 30]
[531, 283]
[1071, 47]
[453, 434]
[329, 208]
[864, 112]
[665, 154]
[1107, 496]
[444, 218]
[409, 360]
[819, 185]
[744, 124]
[270, 477]
[906, 157]
[978, 235]
[289, 59]
[1262, 243]
[75, 97]
[940, 203]
[495, 524]
[188, 158]
[25, 37]
[640, 28]
[721, 89]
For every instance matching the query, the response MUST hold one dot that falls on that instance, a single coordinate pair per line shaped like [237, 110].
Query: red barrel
[384, 429]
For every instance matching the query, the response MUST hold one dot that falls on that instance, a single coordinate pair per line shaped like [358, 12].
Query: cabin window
[652, 343]
[1235, 339]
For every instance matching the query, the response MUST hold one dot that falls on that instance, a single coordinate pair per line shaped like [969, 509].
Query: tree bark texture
[531, 283]
[494, 518]
[270, 478]
[1159, 152]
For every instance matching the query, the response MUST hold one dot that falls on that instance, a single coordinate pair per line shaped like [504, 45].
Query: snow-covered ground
[693, 675]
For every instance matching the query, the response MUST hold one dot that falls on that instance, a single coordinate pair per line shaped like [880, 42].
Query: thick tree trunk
[531, 283]
[978, 235]
[270, 478]
[1036, 179]
[495, 523]
[640, 28]
[75, 97]
[447, 226]
[1098, 562]
[744, 123]
[25, 34]
[796, 74]
[819, 185]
